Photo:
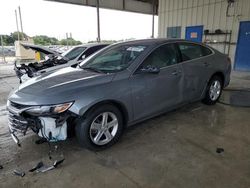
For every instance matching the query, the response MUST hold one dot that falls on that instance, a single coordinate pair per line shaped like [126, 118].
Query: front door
[242, 58]
[156, 92]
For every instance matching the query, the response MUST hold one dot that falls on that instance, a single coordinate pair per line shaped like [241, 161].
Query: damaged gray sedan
[119, 86]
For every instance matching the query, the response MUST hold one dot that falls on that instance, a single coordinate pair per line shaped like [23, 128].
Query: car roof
[92, 45]
[151, 41]
[158, 41]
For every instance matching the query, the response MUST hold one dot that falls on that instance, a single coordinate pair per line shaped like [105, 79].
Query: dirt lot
[177, 149]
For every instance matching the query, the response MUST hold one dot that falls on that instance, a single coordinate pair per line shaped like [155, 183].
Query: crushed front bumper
[18, 124]
[50, 128]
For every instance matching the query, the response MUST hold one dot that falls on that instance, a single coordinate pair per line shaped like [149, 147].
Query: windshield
[115, 59]
[73, 53]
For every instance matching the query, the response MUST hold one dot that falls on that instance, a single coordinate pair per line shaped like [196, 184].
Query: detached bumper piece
[14, 137]
[55, 165]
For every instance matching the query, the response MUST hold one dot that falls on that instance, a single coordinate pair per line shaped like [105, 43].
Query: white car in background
[55, 60]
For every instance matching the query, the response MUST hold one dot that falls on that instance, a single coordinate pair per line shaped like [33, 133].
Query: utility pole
[18, 36]
[98, 21]
[21, 23]
[2, 48]
[67, 42]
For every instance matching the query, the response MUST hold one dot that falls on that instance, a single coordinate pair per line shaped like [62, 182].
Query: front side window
[114, 59]
[163, 56]
[191, 51]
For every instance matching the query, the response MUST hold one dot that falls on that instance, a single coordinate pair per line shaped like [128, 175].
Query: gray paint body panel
[143, 95]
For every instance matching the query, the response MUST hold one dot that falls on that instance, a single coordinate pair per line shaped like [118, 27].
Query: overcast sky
[55, 19]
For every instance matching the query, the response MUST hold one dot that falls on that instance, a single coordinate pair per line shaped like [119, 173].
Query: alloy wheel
[215, 90]
[103, 128]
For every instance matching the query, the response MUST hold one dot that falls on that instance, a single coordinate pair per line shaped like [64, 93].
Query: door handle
[206, 64]
[174, 72]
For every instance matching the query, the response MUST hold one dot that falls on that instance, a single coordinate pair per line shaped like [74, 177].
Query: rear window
[191, 51]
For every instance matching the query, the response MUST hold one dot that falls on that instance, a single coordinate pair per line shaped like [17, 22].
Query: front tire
[213, 91]
[100, 128]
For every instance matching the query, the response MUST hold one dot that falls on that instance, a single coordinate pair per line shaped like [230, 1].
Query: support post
[153, 18]
[98, 22]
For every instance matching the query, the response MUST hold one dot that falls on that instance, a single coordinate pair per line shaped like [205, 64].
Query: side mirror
[149, 69]
[82, 57]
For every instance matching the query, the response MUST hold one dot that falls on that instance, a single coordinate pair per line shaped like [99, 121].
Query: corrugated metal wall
[210, 13]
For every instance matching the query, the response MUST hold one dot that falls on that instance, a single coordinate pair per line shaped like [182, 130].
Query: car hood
[58, 86]
[42, 49]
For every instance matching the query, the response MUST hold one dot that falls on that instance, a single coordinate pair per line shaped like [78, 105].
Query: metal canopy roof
[138, 6]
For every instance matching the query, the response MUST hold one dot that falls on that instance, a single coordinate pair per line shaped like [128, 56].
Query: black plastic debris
[56, 163]
[1, 167]
[39, 165]
[41, 141]
[19, 173]
[219, 150]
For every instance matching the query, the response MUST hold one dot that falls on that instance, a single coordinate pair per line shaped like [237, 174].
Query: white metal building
[176, 17]
[223, 24]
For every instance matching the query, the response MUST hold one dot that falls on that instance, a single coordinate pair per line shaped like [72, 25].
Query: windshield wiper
[92, 69]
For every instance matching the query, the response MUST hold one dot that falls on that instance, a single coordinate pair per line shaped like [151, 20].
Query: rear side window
[191, 51]
[206, 51]
[163, 56]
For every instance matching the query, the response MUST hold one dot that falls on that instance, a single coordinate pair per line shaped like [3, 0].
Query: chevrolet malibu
[119, 86]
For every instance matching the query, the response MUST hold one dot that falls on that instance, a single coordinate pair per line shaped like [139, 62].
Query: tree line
[9, 40]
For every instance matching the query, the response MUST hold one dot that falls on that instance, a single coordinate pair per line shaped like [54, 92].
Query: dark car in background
[54, 59]
[119, 86]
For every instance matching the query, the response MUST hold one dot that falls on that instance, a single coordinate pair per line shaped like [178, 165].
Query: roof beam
[138, 6]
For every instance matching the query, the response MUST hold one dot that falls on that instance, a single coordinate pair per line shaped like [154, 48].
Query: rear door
[196, 64]
[153, 93]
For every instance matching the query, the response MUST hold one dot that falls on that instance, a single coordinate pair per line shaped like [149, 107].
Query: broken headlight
[48, 110]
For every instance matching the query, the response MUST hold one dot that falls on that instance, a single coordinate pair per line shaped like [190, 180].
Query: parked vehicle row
[121, 85]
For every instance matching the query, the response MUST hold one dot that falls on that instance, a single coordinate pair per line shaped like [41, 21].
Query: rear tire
[213, 91]
[100, 128]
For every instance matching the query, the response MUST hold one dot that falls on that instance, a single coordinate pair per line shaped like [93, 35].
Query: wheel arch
[119, 105]
[221, 75]
[218, 73]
